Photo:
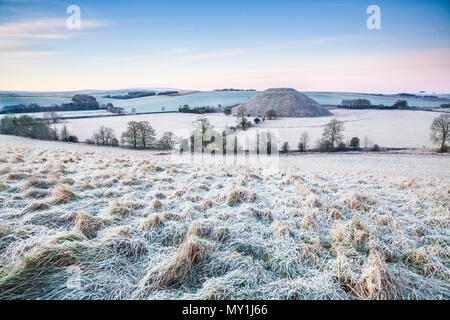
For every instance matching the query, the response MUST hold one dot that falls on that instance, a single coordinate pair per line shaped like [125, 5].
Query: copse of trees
[366, 104]
[26, 126]
[139, 135]
[197, 110]
[401, 104]
[104, 137]
[440, 131]
[356, 103]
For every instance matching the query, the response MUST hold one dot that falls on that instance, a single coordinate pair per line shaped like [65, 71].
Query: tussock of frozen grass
[376, 282]
[62, 194]
[335, 214]
[176, 269]
[428, 260]
[359, 201]
[309, 223]
[151, 221]
[124, 207]
[138, 226]
[20, 280]
[89, 225]
[235, 196]
[279, 229]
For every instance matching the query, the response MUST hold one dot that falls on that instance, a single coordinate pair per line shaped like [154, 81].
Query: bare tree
[104, 136]
[241, 117]
[64, 134]
[203, 134]
[333, 132]
[304, 141]
[367, 143]
[130, 136]
[52, 117]
[167, 140]
[146, 134]
[440, 131]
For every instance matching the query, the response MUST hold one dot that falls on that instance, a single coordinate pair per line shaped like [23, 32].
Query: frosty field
[84, 222]
[392, 128]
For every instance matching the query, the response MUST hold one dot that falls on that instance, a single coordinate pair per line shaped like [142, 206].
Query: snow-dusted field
[81, 222]
[387, 128]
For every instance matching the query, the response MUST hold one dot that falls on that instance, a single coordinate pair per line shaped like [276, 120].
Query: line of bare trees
[138, 135]
[332, 137]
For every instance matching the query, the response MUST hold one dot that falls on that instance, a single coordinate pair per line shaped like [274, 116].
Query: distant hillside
[79, 102]
[132, 95]
[286, 102]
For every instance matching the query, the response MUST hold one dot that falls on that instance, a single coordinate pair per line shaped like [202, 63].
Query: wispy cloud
[211, 55]
[123, 59]
[178, 51]
[52, 28]
[15, 49]
[28, 52]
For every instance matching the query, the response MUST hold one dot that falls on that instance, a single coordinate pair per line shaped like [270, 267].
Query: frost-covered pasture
[387, 128]
[82, 222]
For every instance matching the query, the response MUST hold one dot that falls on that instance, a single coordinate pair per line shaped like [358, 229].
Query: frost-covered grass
[80, 222]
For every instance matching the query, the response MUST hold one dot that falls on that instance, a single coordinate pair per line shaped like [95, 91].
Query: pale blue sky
[308, 45]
